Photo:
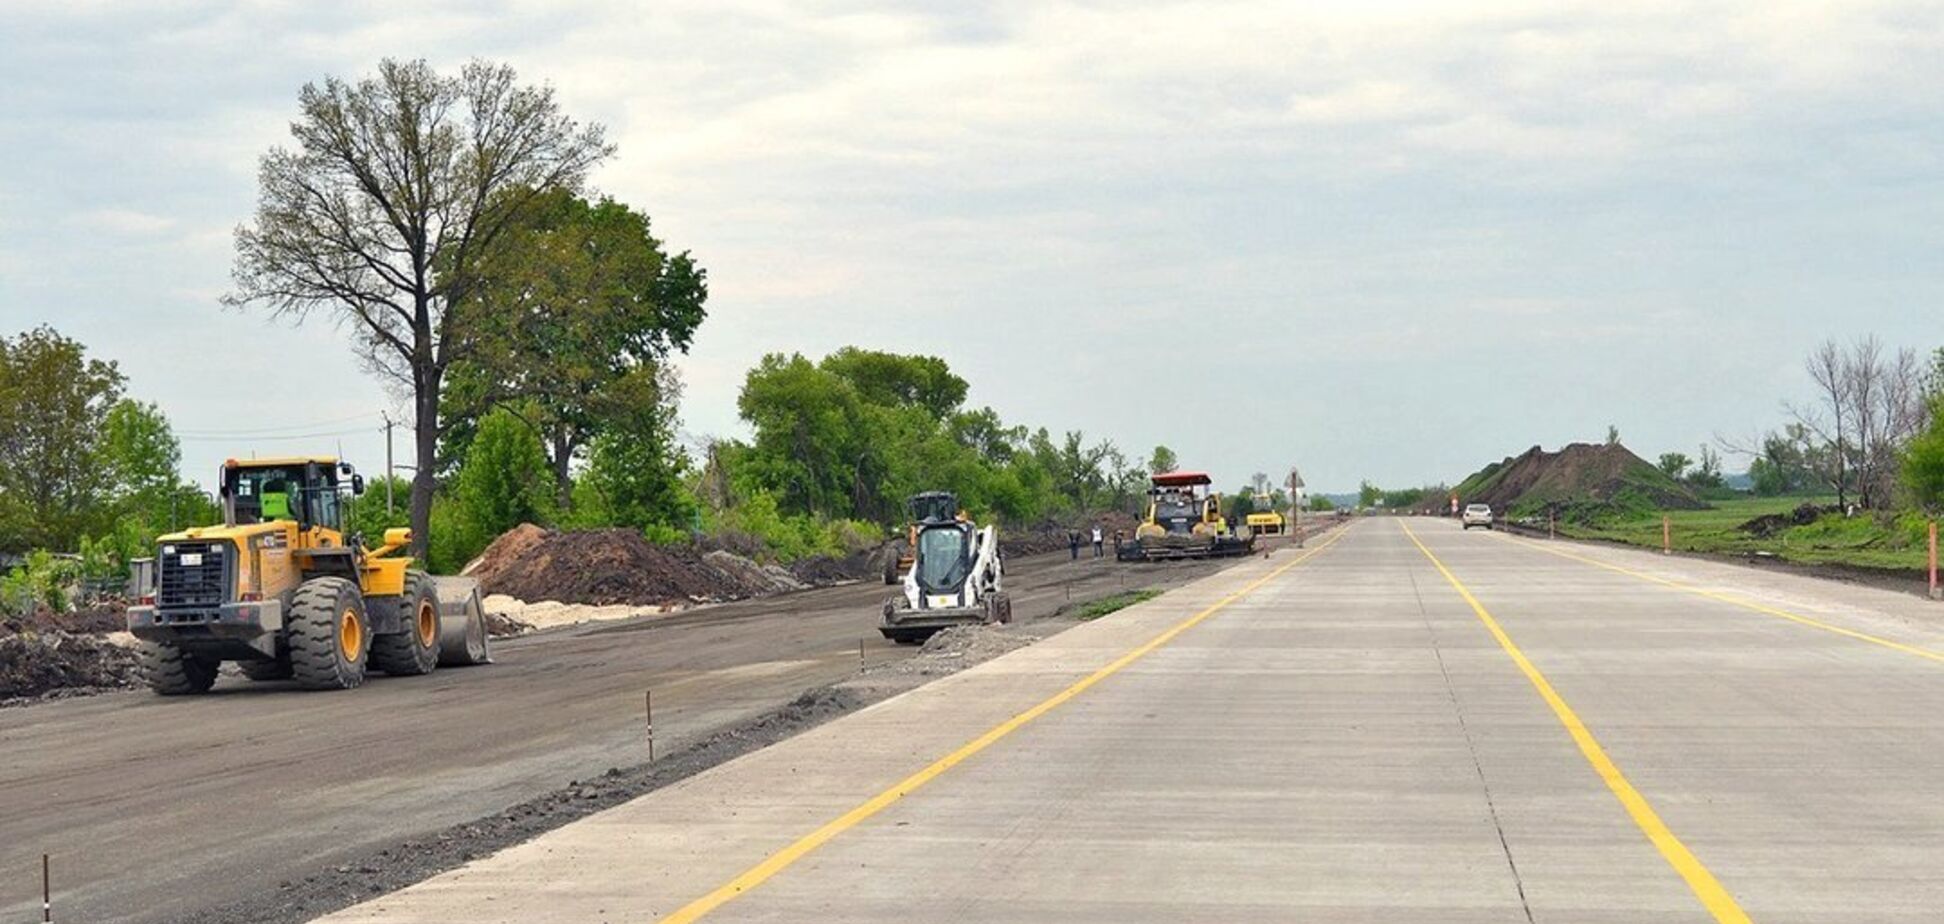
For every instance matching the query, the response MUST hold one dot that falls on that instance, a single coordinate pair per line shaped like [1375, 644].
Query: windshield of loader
[943, 559]
[276, 492]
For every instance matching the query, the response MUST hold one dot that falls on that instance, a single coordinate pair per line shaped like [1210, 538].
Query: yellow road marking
[777, 862]
[1713, 896]
[1737, 601]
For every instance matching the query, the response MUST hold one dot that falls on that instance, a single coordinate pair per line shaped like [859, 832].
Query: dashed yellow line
[782, 859]
[1737, 601]
[1709, 890]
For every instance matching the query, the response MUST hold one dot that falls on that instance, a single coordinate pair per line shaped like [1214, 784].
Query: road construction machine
[1184, 520]
[925, 507]
[957, 576]
[1265, 519]
[281, 589]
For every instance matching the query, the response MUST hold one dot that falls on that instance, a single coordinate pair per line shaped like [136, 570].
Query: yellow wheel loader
[283, 591]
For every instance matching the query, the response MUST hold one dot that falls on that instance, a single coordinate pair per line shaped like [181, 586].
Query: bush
[41, 580]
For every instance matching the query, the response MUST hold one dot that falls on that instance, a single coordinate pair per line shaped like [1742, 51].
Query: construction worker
[1098, 540]
[1073, 544]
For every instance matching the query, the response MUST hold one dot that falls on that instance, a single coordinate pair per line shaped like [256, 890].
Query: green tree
[1674, 464]
[1923, 462]
[505, 481]
[1162, 460]
[1707, 473]
[636, 471]
[1367, 494]
[578, 306]
[398, 187]
[54, 401]
[807, 442]
[893, 379]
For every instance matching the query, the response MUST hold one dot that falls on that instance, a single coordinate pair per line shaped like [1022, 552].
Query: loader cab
[944, 557]
[933, 507]
[308, 492]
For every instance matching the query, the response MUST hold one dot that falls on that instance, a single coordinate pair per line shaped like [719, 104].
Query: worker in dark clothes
[1073, 544]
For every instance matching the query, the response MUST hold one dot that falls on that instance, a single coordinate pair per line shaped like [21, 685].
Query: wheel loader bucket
[462, 624]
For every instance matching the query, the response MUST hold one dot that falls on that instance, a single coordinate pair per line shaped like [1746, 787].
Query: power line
[292, 436]
[282, 428]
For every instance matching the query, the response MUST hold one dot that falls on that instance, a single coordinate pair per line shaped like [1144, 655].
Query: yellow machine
[1184, 520]
[1266, 520]
[280, 589]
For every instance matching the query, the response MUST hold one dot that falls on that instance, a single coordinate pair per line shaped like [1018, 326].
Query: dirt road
[165, 810]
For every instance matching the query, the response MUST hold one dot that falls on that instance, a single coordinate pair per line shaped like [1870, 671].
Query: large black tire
[330, 638]
[170, 671]
[265, 670]
[415, 650]
[1001, 608]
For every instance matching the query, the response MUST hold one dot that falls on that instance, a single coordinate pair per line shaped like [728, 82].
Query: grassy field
[1864, 540]
[1119, 601]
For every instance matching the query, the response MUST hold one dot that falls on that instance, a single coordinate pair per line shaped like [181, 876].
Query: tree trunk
[563, 454]
[425, 432]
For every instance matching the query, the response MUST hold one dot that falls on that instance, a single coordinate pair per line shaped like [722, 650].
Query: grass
[1889, 542]
[1115, 603]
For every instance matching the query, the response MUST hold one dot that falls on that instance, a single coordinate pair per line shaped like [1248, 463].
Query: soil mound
[1579, 475]
[1051, 535]
[508, 548]
[750, 576]
[599, 567]
[37, 663]
[1770, 524]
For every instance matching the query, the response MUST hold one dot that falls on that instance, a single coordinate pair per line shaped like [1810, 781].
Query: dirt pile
[33, 664]
[600, 567]
[1051, 535]
[755, 578]
[508, 548]
[1581, 476]
[1771, 524]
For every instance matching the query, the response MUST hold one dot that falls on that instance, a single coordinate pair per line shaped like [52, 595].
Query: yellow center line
[782, 859]
[1737, 601]
[1713, 896]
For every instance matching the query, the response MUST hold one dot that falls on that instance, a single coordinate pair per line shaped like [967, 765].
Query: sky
[1383, 240]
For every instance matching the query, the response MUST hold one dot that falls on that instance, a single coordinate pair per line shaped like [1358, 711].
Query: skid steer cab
[956, 578]
[283, 591]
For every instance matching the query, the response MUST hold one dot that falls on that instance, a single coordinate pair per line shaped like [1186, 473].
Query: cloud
[124, 222]
[1066, 198]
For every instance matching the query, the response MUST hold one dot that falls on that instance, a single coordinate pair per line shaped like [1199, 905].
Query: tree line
[1872, 434]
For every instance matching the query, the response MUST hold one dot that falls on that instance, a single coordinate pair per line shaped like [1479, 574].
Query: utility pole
[388, 461]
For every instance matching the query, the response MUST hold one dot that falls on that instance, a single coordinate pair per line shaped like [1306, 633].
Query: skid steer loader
[956, 578]
[282, 591]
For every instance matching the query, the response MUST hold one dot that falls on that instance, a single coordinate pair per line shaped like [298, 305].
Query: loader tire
[330, 638]
[1002, 609]
[416, 650]
[265, 670]
[170, 671]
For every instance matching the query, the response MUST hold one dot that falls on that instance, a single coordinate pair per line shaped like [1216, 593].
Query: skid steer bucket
[462, 624]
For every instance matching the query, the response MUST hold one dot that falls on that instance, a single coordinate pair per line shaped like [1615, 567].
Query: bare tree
[1869, 403]
[396, 186]
[1828, 418]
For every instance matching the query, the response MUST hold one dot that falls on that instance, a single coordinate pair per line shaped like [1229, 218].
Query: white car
[1477, 515]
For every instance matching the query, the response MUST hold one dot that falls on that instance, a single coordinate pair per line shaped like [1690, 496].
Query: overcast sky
[1393, 241]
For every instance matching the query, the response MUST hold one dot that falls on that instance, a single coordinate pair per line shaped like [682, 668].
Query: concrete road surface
[164, 809]
[1410, 724]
